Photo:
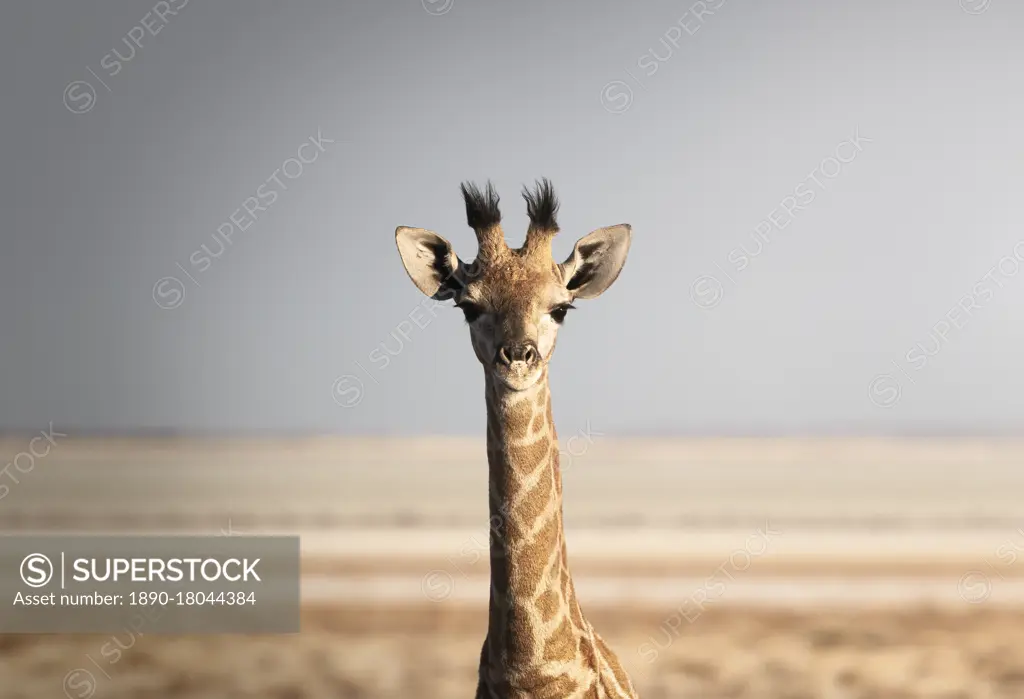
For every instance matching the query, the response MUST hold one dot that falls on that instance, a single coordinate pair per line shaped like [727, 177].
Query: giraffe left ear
[430, 261]
[596, 261]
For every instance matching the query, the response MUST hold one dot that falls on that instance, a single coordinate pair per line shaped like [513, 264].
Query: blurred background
[791, 437]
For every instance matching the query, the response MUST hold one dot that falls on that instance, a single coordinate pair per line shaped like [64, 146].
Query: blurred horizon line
[908, 433]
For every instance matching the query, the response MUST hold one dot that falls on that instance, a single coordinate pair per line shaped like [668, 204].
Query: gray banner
[149, 584]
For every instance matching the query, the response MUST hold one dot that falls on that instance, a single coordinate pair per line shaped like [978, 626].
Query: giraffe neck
[535, 621]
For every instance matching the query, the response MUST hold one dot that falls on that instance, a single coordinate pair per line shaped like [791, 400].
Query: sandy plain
[428, 652]
[894, 574]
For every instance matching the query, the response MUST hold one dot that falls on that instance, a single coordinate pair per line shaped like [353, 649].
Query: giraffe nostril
[517, 352]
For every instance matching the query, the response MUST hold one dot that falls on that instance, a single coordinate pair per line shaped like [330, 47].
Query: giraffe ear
[430, 261]
[596, 261]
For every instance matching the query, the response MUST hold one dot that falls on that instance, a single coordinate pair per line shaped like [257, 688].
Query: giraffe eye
[471, 310]
[558, 312]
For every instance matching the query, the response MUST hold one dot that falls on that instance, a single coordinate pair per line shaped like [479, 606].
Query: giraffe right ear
[431, 262]
[596, 261]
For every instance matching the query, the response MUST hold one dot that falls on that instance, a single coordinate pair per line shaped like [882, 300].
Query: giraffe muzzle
[517, 352]
[518, 365]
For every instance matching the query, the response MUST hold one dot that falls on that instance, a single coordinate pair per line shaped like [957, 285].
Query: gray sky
[875, 148]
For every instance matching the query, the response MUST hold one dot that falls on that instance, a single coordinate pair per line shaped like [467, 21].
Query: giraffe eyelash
[471, 310]
[558, 312]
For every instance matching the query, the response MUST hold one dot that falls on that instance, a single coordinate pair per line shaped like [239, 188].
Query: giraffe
[538, 643]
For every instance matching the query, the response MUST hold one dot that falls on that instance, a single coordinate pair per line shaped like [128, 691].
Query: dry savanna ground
[429, 652]
[900, 513]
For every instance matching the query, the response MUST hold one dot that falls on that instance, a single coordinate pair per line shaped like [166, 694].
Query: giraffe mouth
[518, 378]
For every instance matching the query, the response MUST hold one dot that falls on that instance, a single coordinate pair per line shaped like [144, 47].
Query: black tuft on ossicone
[481, 207]
[542, 205]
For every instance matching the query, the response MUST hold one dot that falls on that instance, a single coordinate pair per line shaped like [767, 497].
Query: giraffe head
[514, 300]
